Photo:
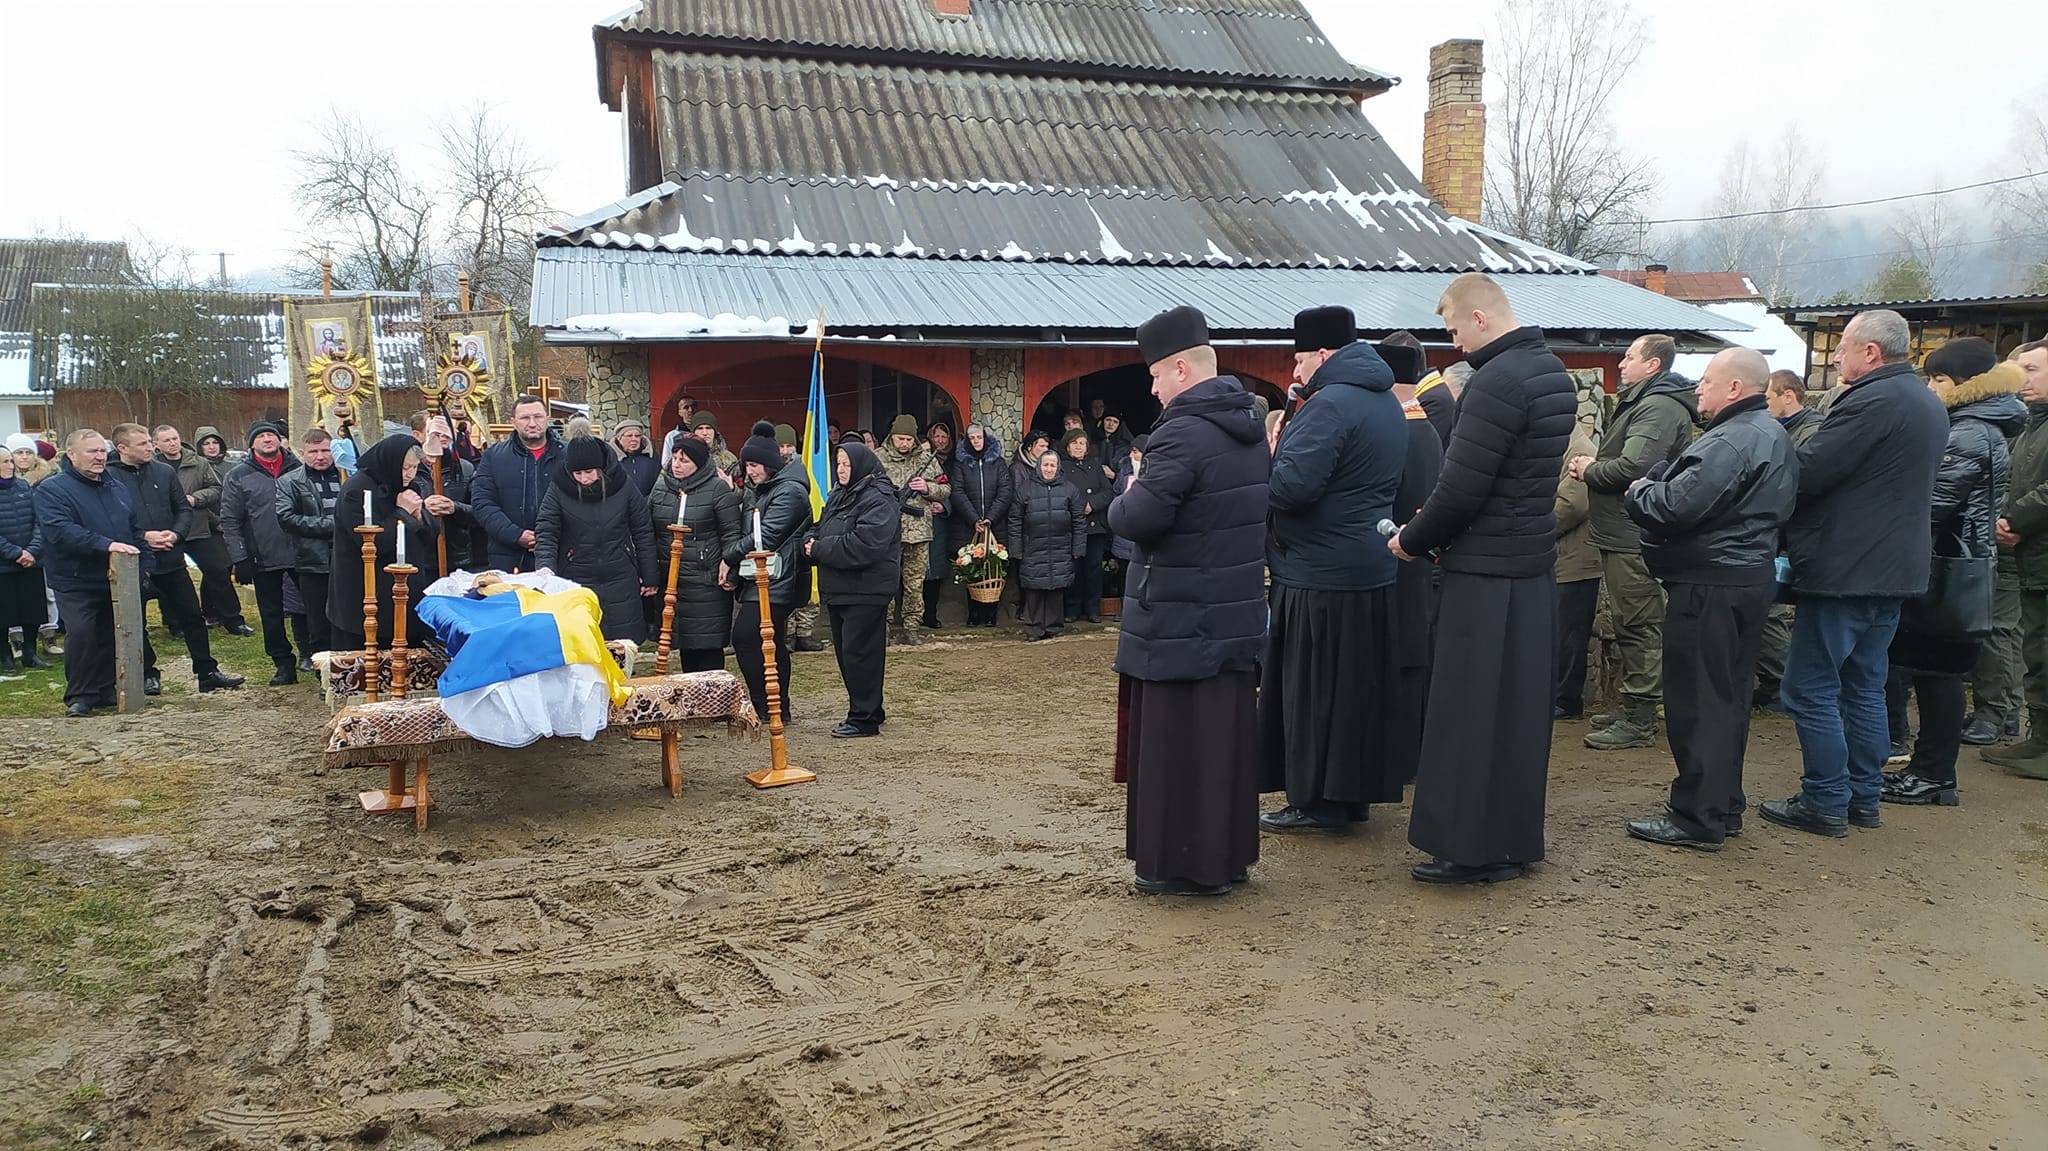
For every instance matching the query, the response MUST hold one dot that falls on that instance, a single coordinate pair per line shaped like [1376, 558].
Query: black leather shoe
[1866, 817]
[78, 709]
[1558, 713]
[1669, 834]
[1144, 886]
[1903, 787]
[1444, 871]
[2012, 727]
[850, 731]
[286, 676]
[1794, 813]
[29, 656]
[152, 685]
[1295, 819]
[238, 629]
[1731, 827]
[306, 664]
[220, 681]
[1982, 732]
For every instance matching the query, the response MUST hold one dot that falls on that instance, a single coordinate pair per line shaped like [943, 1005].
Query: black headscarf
[865, 467]
[384, 462]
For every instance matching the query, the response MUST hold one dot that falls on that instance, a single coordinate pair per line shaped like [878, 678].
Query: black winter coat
[507, 492]
[468, 546]
[711, 510]
[858, 543]
[1969, 486]
[78, 518]
[1335, 474]
[18, 528]
[1195, 598]
[640, 467]
[982, 487]
[601, 536]
[1440, 408]
[248, 516]
[345, 562]
[1493, 511]
[1093, 486]
[784, 501]
[159, 501]
[1866, 483]
[1714, 516]
[1048, 531]
[300, 512]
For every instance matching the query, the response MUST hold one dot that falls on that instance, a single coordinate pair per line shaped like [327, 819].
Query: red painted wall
[741, 382]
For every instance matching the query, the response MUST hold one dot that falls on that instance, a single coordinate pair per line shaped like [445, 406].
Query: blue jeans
[1834, 689]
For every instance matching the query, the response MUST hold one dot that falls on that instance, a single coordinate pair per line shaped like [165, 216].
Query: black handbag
[1957, 605]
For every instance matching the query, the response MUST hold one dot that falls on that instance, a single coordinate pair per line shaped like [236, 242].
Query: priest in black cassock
[1328, 728]
[1479, 795]
[1415, 588]
[1194, 621]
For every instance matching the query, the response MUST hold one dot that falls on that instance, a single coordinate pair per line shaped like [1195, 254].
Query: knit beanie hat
[587, 454]
[698, 451]
[21, 442]
[905, 425]
[760, 447]
[1961, 360]
[703, 420]
[1070, 437]
[784, 434]
[1141, 440]
[261, 426]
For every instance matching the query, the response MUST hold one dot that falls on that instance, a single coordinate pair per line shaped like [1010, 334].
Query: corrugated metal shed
[801, 157]
[596, 295]
[1269, 40]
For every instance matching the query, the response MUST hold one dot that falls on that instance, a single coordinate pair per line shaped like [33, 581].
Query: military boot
[1635, 727]
[2031, 752]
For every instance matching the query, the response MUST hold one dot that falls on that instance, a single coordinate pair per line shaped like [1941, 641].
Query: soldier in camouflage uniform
[920, 480]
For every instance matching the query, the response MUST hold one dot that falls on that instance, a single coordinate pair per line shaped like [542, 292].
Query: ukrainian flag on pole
[817, 453]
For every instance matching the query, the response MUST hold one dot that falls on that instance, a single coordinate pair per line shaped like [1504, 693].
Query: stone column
[996, 389]
[618, 385]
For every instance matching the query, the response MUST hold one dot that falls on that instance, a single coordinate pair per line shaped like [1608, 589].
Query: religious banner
[332, 356]
[474, 375]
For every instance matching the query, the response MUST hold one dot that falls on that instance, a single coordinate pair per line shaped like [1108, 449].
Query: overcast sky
[176, 118]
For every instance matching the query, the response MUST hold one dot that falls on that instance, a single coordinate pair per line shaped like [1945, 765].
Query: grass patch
[40, 694]
[140, 796]
[93, 940]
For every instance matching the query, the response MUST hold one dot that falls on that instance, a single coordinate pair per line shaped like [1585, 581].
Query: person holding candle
[690, 492]
[381, 492]
[777, 506]
[595, 529]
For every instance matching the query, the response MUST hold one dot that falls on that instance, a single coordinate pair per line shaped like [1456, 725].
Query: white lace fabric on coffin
[561, 701]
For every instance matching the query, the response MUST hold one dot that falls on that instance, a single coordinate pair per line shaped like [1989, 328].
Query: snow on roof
[1783, 346]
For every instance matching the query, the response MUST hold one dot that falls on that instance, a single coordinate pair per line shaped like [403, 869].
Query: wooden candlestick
[779, 772]
[668, 598]
[400, 601]
[370, 532]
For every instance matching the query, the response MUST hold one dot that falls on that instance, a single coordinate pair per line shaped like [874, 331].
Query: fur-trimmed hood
[1992, 397]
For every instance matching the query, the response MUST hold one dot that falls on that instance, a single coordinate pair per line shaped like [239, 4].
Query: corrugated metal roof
[1699, 287]
[613, 294]
[246, 339]
[2024, 299]
[800, 157]
[1271, 40]
[27, 261]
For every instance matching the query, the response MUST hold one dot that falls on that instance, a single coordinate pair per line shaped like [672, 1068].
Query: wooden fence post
[124, 576]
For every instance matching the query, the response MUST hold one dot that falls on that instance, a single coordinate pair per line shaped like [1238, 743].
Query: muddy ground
[208, 945]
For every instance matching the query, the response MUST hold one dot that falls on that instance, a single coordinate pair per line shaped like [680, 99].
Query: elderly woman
[1091, 478]
[1048, 537]
[385, 472]
[594, 528]
[711, 510]
[858, 547]
[982, 489]
[1984, 407]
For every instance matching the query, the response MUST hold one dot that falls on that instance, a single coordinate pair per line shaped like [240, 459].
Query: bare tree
[1556, 175]
[365, 211]
[1927, 235]
[494, 206]
[2020, 209]
[1763, 236]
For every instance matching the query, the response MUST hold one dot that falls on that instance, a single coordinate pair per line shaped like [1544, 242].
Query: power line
[1912, 251]
[1850, 203]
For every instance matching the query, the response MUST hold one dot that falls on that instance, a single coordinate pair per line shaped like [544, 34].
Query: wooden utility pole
[326, 278]
[124, 575]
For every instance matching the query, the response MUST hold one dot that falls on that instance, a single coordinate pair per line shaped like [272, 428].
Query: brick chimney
[1454, 128]
[952, 7]
[1653, 277]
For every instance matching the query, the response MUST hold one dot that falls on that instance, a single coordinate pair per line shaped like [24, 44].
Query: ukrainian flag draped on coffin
[524, 665]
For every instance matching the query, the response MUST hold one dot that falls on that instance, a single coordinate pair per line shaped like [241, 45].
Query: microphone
[1387, 528]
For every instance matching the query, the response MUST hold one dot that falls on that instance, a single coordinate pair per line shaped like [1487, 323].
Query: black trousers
[1084, 595]
[860, 639]
[88, 647]
[217, 595]
[313, 591]
[1941, 727]
[746, 649]
[179, 605]
[277, 643]
[707, 658]
[1577, 602]
[1898, 687]
[1711, 637]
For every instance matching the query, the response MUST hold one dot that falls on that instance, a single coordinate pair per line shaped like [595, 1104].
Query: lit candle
[368, 519]
[682, 501]
[758, 546]
[399, 523]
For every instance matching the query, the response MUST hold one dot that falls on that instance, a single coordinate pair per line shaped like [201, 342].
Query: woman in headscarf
[1048, 535]
[711, 510]
[594, 528]
[775, 515]
[385, 472]
[857, 546]
[1091, 478]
